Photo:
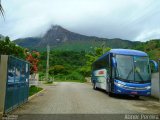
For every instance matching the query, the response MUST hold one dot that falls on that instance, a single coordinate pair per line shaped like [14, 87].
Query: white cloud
[148, 34]
[126, 19]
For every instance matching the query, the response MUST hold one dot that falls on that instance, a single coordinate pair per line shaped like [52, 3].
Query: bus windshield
[133, 68]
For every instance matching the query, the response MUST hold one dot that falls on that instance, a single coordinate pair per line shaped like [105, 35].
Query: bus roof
[128, 52]
[124, 52]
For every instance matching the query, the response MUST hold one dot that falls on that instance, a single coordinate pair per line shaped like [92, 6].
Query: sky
[136, 20]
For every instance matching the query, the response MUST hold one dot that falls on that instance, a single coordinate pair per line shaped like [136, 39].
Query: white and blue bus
[123, 71]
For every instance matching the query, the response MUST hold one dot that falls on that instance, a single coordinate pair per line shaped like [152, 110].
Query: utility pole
[103, 47]
[94, 46]
[47, 66]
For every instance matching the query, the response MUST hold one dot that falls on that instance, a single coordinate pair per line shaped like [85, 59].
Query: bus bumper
[132, 88]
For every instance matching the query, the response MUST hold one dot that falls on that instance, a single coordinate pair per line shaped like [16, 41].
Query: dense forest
[70, 65]
[63, 64]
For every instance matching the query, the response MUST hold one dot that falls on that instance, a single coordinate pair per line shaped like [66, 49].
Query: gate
[17, 83]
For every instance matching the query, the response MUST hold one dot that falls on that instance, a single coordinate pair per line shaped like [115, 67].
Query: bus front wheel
[136, 96]
[94, 86]
[110, 94]
[109, 90]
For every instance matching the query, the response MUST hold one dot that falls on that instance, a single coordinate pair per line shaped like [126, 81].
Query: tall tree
[8, 47]
[90, 58]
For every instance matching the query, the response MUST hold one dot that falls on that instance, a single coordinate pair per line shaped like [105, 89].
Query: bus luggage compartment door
[101, 76]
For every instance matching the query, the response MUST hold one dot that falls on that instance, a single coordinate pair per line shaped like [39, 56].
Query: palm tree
[1, 9]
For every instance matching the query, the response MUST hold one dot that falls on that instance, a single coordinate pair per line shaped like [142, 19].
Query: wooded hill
[60, 38]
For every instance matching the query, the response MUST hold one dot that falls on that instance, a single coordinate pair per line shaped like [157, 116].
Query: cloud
[148, 35]
[126, 19]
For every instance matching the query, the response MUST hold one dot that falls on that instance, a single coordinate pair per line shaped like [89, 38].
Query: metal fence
[17, 83]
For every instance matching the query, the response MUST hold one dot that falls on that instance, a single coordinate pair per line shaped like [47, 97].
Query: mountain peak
[56, 27]
[56, 34]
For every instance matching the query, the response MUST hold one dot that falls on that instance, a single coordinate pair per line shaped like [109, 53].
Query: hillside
[29, 42]
[152, 47]
[60, 38]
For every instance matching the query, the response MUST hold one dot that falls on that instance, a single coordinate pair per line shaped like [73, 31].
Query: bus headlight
[148, 87]
[119, 84]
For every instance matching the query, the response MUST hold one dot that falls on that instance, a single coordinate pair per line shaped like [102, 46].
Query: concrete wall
[3, 79]
[155, 85]
[34, 79]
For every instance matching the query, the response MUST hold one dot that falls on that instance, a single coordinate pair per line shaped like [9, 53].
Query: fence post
[3, 81]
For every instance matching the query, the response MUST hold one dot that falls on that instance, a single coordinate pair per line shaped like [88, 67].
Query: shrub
[75, 76]
[57, 69]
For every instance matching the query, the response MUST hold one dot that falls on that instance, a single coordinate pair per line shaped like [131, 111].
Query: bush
[34, 89]
[75, 76]
[57, 69]
[72, 77]
[60, 76]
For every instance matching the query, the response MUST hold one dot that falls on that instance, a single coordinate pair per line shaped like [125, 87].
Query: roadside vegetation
[7, 47]
[68, 65]
[75, 66]
[34, 89]
[63, 80]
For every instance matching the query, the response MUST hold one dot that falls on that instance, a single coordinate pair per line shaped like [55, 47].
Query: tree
[57, 69]
[91, 57]
[8, 47]
[152, 47]
[33, 59]
[1, 9]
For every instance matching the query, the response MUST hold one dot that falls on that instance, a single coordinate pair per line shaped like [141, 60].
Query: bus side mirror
[114, 63]
[154, 66]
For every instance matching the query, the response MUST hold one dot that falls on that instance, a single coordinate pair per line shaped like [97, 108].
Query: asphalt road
[80, 98]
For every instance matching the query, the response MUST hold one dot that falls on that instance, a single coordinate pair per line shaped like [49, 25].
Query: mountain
[57, 35]
[29, 42]
[60, 38]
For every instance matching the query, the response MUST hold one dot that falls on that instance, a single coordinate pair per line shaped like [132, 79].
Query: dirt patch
[149, 106]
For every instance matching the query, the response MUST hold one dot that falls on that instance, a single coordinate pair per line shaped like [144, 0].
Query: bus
[123, 71]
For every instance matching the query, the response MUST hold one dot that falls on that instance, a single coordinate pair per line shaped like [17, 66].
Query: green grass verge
[63, 80]
[33, 90]
[49, 82]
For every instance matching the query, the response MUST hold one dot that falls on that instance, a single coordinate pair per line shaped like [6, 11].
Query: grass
[48, 82]
[33, 90]
[63, 80]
